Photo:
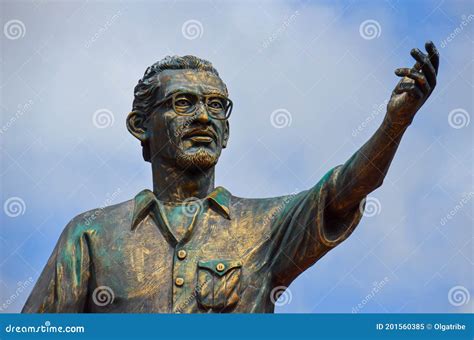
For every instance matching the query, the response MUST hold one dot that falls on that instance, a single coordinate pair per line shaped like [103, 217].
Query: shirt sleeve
[304, 231]
[62, 286]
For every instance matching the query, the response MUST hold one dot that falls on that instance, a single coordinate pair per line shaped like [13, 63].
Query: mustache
[200, 131]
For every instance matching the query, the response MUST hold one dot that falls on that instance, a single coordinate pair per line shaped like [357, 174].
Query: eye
[215, 104]
[182, 102]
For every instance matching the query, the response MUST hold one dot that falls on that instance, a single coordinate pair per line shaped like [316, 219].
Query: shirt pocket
[218, 284]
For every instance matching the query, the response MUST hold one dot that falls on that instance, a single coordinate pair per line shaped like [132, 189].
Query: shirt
[232, 257]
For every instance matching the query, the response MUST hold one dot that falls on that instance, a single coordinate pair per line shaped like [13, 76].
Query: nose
[202, 115]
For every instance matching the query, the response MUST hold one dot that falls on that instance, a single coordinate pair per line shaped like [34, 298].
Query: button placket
[182, 287]
[181, 284]
[181, 281]
[180, 269]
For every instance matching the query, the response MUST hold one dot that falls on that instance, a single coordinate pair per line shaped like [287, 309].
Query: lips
[199, 135]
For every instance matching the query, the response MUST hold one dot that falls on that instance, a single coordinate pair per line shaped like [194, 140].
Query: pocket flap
[220, 267]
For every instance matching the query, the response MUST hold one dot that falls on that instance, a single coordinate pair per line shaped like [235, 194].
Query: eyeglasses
[186, 104]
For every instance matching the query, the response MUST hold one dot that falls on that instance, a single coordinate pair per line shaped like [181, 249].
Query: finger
[418, 77]
[424, 63]
[433, 54]
[409, 88]
[426, 66]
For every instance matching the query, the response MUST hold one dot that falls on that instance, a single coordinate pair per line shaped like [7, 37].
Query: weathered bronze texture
[189, 247]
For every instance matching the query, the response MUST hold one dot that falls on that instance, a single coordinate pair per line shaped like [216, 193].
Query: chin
[202, 159]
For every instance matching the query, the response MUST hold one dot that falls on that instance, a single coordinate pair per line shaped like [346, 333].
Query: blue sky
[327, 66]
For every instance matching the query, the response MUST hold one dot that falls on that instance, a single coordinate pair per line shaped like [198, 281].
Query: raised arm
[366, 169]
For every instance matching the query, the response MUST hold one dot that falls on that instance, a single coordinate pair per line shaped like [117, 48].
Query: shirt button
[179, 281]
[182, 254]
[220, 267]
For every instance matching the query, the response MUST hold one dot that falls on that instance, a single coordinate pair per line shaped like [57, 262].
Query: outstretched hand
[415, 87]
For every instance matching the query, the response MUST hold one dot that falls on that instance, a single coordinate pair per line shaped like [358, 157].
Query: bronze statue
[190, 247]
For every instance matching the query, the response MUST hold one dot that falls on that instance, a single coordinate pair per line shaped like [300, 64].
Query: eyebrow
[193, 92]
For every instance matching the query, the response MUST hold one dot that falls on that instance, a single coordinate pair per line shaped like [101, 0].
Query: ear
[136, 125]
[226, 134]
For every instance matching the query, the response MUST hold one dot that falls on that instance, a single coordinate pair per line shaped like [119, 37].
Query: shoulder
[264, 206]
[113, 217]
[266, 201]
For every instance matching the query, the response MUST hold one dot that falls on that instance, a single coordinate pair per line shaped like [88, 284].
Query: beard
[202, 159]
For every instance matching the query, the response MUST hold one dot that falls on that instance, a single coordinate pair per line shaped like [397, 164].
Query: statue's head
[180, 113]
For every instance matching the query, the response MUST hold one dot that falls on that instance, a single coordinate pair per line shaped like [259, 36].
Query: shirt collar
[145, 200]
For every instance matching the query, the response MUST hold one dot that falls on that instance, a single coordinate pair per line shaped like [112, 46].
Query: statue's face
[190, 142]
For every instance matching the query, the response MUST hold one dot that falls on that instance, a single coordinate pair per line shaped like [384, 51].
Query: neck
[174, 185]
